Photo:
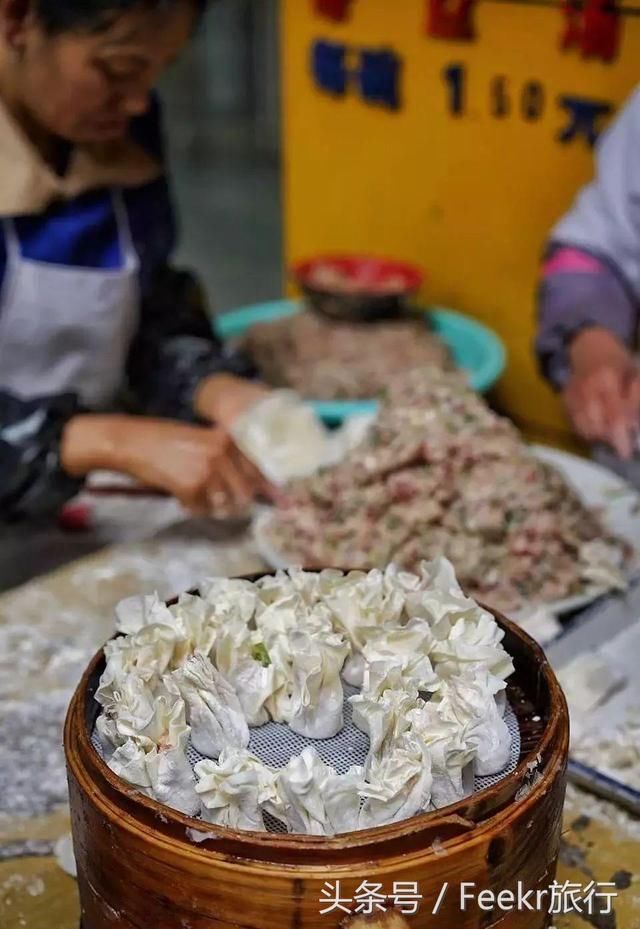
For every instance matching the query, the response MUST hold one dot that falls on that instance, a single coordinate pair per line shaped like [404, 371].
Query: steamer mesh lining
[275, 744]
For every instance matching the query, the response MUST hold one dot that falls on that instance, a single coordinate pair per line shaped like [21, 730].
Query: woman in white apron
[91, 313]
[590, 301]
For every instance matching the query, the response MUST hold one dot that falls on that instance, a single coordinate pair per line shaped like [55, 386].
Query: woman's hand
[603, 395]
[223, 398]
[199, 466]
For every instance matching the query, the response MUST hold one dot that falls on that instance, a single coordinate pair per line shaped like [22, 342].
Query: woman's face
[86, 87]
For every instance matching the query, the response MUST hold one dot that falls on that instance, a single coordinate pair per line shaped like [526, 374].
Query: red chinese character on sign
[451, 19]
[337, 10]
[593, 28]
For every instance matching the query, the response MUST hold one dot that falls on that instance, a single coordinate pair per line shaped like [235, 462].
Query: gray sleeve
[605, 218]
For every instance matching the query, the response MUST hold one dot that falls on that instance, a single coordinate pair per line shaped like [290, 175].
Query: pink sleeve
[571, 260]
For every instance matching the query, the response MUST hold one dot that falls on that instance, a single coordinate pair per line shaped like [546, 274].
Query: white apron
[68, 329]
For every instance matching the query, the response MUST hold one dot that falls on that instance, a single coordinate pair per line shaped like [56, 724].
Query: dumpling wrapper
[134, 613]
[469, 702]
[246, 663]
[281, 617]
[473, 643]
[310, 586]
[159, 767]
[273, 588]
[315, 799]
[172, 780]
[313, 586]
[342, 800]
[440, 599]
[192, 619]
[384, 720]
[230, 598]
[147, 654]
[317, 663]
[130, 711]
[398, 786]
[310, 698]
[234, 790]
[405, 648]
[213, 708]
[197, 625]
[129, 762]
[283, 436]
[361, 605]
[451, 757]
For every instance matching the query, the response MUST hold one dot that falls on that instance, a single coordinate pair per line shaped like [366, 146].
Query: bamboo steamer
[144, 866]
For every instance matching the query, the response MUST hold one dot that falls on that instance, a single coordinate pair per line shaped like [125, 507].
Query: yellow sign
[467, 177]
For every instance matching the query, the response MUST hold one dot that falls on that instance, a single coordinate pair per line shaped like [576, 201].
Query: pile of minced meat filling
[439, 473]
[326, 360]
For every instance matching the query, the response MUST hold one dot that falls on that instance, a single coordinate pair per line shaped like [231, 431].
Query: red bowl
[357, 287]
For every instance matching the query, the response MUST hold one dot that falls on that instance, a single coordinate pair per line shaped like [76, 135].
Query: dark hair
[69, 15]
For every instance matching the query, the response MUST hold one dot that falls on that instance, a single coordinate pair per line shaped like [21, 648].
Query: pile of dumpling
[429, 664]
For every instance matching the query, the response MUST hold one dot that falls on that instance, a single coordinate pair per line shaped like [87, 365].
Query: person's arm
[48, 446]
[587, 323]
[590, 294]
[579, 291]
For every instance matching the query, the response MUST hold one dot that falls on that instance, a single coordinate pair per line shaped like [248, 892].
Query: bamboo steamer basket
[143, 866]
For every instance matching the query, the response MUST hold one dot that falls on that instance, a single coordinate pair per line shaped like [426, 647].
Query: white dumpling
[129, 761]
[362, 605]
[172, 780]
[405, 581]
[309, 586]
[473, 643]
[314, 799]
[451, 757]
[384, 720]
[230, 598]
[469, 701]
[197, 626]
[157, 764]
[342, 800]
[213, 708]
[192, 620]
[299, 787]
[398, 785]
[406, 648]
[437, 594]
[313, 586]
[134, 613]
[291, 614]
[309, 694]
[281, 617]
[273, 588]
[440, 599]
[234, 790]
[148, 654]
[316, 665]
[129, 710]
[246, 663]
